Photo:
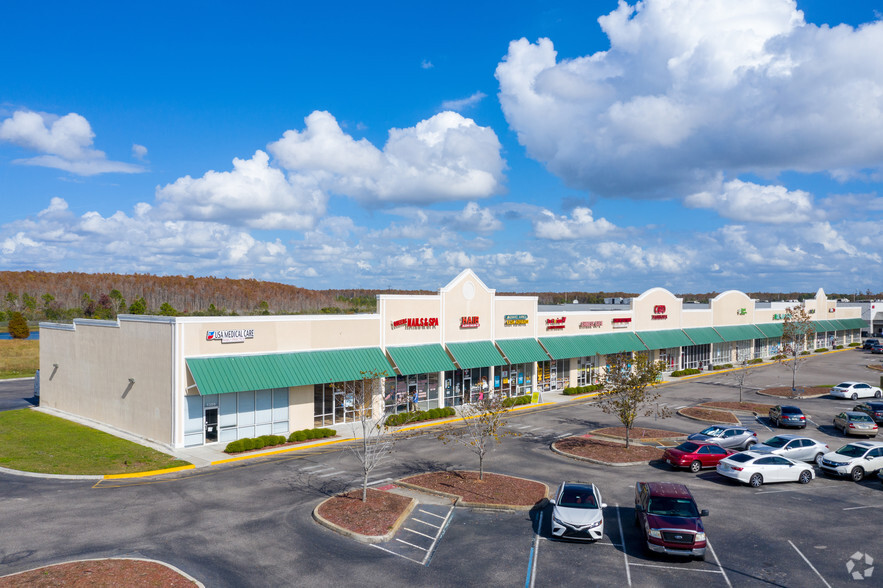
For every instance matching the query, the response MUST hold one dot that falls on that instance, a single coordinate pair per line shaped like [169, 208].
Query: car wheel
[701, 557]
[756, 481]
[805, 477]
[818, 459]
[749, 444]
[857, 474]
[854, 396]
[695, 466]
[878, 394]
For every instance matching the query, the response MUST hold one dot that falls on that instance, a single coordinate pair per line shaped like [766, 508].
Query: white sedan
[856, 390]
[577, 512]
[755, 468]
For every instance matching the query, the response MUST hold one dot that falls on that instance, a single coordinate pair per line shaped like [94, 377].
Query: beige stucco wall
[300, 408]
[726, 309]
[645, 306]
[393, 309]
[467, 296]
[700, 317]
[515, 305]
[95, 361]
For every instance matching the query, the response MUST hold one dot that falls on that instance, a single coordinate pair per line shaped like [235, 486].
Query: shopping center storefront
[194, 380]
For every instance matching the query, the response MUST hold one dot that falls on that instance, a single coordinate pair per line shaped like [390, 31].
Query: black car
[788, 416]
[873, 409]
[878, 348]
[868, 343]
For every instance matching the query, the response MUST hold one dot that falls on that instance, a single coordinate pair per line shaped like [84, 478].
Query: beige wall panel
[94, 367]
[696, 318]
[395, 309]
[300, 408]
[726, 309]
[511, 305]
[649, 307]
[574, 321]
[467, 297]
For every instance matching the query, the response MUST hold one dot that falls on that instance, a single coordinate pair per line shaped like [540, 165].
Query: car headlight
[655, 533]
[700, 536]
[557, 520]
[593, 525]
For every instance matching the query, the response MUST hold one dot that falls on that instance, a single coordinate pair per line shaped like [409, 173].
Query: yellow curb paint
[148, 473]
[278, 451]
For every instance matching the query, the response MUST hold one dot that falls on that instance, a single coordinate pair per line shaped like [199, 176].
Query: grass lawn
[32, 441]
[19, 358]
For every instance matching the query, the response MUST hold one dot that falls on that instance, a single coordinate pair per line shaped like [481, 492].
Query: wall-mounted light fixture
[131, 380]
[55, 365]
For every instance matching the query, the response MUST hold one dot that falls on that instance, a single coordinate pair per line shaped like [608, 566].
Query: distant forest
[68, 295]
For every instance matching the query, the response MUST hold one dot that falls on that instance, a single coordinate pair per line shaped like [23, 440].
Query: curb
[458, 500]
[791, 397]
[149, 473]
[686, 416]
[51, 476]
[641, 440]
[156, 561]
[358, 536]
[278, 451]
[596, 461]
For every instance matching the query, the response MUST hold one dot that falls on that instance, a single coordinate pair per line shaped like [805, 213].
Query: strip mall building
[185, 381]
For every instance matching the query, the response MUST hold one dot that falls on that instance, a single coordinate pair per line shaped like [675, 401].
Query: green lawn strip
[32, 441]
[19, 358]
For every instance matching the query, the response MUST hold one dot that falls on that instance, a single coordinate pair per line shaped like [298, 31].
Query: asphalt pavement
[17, 393]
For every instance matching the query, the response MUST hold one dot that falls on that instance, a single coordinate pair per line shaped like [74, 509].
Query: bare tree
[483, 425]
[629, 389]
[740, 377]
[377, 442]
[795, 331]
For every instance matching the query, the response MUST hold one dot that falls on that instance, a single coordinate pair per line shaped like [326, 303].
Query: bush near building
[582, 390]
[686, 372]
[18, 326]
[402, 418]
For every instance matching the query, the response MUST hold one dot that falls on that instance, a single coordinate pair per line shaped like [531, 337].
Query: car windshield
[740, 458]
[672, 507]
[851, 451]
[687, 447]
[843, 385]
[860, 418]
[578, 498]
[712, 432]
[776, 442]
[790, 410]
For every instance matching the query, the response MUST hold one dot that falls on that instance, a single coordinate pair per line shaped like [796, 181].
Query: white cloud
[254, 194]
[693, 90]
[444, 158]
[139, 152]
[65, 143]
[750, 202]
[581, 225]
[426, 64]
[464, 103]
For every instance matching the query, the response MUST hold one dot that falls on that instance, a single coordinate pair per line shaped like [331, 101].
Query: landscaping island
[101, 573]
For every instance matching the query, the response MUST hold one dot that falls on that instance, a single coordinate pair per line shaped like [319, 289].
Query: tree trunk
[628, 430]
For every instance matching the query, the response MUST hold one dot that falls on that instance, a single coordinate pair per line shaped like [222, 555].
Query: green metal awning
[739, 333]
[703, 335]
[475, 354]
[853, 323]
[770, 330]
[664, 339]
[420, 359]
[241, 373]
[522, 350]
[569, 346]
[825, 326]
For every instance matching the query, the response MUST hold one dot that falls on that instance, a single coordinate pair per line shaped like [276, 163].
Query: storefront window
[697, 356]
[553, 375]
[410, 393]
[744, 350]
[335, 404]
[466, 386]
[721, 353]
[587, 370]
[513, 380]
[671, 357]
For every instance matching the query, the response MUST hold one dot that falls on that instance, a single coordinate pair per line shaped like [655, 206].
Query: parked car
[695, 456]
[790, 416]
[868, 343]
[878, 348]
[669, 519]
[872, 409]
[853, 422]
[729, 436]
[793, 447]
[577, 512]
[755, 468]
[855, 390]
[854, 459]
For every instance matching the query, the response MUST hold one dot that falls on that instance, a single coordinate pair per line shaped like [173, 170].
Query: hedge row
[854, 344]
[256, 443]
[402, 418]
[806, 352]
[686, 372]
[581, 390]
[309, 434]
[778, 357]
[724, 366]
[838, 347]
[821, 350]
[516, 401]
[755, 360]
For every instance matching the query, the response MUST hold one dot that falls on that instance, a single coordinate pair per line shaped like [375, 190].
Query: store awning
[475, 354]
[825, 326]
[664, 339]
[522, 350]
[589, 345]
[739, 333]
[420, 359]
[770, 330]
[853, 323]
[241, 373]
[703, 335]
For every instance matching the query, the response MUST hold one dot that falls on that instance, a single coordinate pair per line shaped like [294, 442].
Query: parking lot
[250, 523]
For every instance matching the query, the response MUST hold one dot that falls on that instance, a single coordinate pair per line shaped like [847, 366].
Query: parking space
[419, 535]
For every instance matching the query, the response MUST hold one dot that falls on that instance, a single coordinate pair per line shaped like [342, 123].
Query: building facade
[186, 381]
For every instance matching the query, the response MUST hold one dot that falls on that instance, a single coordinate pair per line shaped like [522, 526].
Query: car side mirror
[639, 508]
[703, 512]
[552, 501]
[603, 505]
[868, 457]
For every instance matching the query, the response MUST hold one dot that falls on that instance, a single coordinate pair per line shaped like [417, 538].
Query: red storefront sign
[415, 323]
[621, 323]
[555, 323]
[590, 325]
[469, 322]
[658, 312]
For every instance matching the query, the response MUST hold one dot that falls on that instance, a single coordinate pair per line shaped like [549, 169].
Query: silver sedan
[794, 447]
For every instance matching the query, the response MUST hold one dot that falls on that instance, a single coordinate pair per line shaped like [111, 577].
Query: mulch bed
[494, 489]
[758, 407]
[608, 451]
[785, 391]
[374, 517]
[102, 573]
[710, 414]
[637, 433]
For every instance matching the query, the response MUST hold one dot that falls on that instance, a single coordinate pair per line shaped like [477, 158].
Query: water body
[34, 335]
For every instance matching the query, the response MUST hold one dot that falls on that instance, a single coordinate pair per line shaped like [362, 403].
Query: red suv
[667, 516]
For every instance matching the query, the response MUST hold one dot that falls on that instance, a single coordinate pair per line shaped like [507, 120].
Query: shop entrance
[211, 425]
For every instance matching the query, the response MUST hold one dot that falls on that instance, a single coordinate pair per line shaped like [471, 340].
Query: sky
[695, 145]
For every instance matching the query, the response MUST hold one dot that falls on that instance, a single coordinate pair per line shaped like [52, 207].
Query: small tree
[483, 427]
[795, 331]
[629, 389]
[18, 326]
[139, 306]
[740, 377]
[377, 442]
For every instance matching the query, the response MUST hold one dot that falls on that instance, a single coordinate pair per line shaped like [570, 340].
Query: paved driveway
[16, 394]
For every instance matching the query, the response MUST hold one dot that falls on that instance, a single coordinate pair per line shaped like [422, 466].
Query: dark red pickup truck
[667, 516]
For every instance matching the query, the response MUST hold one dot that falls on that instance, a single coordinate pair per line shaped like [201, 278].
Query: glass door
[211, 425]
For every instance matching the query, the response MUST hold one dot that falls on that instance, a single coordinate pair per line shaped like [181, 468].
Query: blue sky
[696, 145]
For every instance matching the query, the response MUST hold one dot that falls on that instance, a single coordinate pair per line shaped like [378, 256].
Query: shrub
[581, 389]
[516, 401]
[233, 447]
[724, 366]
[248, 444]
[755, 360]
[329, 432]
[821, 350]
[18, 326]
[780, 356]
[806, 352]
[854, 344]
[838, 347]
[395, 420]
[686, 372]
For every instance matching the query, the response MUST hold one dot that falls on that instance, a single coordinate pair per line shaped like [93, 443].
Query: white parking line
[432, 514]
[857, 507]
[418, 533]
[772, 491]
[812, 567]
[394, 553]
[313, 467]
[374, 483]
[410, 544]
[429, 524]
[564, 435]
[334, 473]
[678, 568]
[532, 558]
[719, 566]
[625, 557]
